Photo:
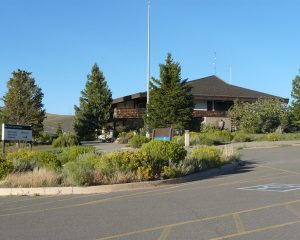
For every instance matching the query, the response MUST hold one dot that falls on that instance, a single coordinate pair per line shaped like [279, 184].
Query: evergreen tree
[23, 102]
[171, 101]
[295, 106]
[59, 130]
[95, 109]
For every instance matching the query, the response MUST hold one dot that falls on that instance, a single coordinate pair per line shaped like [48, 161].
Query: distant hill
[52, 121]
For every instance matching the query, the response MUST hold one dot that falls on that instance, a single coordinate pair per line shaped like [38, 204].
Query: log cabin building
[212, 98]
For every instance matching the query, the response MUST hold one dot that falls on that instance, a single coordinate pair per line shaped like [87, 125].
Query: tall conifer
[23, 102]
[171, 101]
[94, 110]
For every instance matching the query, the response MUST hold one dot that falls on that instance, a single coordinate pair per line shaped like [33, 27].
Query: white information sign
[16, 133]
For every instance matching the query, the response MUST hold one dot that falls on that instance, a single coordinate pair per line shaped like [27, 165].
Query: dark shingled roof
[213, 87]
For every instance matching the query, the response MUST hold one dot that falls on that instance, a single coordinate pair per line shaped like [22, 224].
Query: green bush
[274, 137]
[207, 127]
[47, 160]
[163, 153]
[122, 161]
[66, 140]
[179, 140]
[207, 157]
[124, 137]
[137, 141]
[6, 167]
[241, 136]
[21, 160]
[78, 172]
[24, 160]
[71, 153]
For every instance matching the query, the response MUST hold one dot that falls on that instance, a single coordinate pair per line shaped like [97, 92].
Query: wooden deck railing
[201, 113]
[136, 113]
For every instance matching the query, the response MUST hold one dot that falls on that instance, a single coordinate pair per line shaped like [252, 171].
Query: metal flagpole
[148, 72]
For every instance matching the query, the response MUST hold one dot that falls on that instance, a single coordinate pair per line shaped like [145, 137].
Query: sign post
[12, 132]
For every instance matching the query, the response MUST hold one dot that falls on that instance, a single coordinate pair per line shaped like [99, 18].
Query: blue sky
[59, 40]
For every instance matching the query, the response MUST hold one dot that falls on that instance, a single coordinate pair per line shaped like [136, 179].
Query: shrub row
[216, 137]
[81, 165]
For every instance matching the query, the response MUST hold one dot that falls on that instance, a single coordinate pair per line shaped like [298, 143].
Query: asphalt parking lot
[260, 201]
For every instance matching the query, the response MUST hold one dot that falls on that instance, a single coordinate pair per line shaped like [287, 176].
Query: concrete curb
[225, 169]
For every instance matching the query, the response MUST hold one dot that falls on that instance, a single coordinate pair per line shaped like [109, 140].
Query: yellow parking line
[44, 203]
[279, 169]
[147, 193]
[257, 230]
[238, 223]
[165, 233]
[201, 220]
[292, 210]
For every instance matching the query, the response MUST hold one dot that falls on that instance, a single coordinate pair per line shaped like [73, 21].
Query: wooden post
[3, 147]
[187, 138]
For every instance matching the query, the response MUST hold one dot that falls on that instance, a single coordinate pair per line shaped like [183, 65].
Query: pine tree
[95, 109]
[23, 102]
[171, 101]
[295, 106]
[59, 130]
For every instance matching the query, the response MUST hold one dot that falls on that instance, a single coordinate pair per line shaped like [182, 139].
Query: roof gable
[213, 86]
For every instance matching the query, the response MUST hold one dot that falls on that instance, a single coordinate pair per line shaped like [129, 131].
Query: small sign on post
[11, 132]
[163, 134]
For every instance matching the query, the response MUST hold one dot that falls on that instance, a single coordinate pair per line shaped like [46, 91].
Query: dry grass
[229, 154]
[36, 178]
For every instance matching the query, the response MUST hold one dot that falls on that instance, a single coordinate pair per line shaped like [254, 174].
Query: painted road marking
[274, 187]
[165, 233]
[292, 210]
[145, 230]
[147, 193]
[279, 169]
[257, 230]
[238, 223]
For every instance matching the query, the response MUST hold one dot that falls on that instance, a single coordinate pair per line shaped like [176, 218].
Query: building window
[201, 105]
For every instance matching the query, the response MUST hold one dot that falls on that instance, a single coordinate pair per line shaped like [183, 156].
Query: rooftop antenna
[215, 64]
[230, 74]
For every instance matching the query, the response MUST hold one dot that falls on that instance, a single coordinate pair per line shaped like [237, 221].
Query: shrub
[207, 157]
[122, 161]
[229, 154]
[163, 153]
[66, 140]
[36, 178]
[137, 141]
[179, 140]
[71, 153]
[274, 136]
[221, 136]
[124, 137]
[205, 139]
[207, 127]
[169, 172]
[21, 160]
[241, 136]
[6, 167]
[78, 172]
[24, 160]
